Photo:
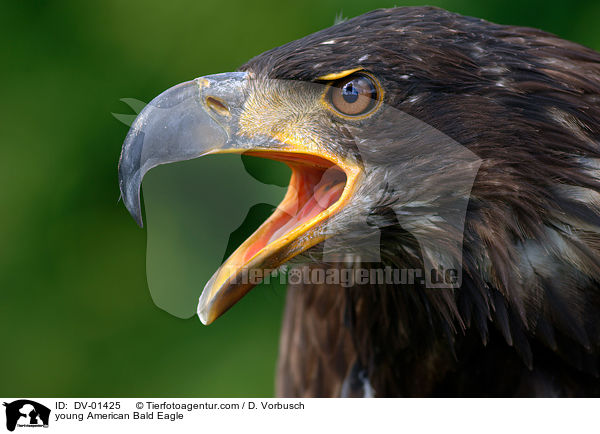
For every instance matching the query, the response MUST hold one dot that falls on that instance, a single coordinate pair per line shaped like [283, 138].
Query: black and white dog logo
[26, 413]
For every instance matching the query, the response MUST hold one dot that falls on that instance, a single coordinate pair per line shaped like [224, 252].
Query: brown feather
[526, 320]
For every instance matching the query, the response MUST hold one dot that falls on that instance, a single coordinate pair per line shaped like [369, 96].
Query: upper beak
[202, 117]
[184, 122]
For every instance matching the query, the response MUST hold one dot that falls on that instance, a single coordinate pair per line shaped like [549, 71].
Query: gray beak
[184, 122]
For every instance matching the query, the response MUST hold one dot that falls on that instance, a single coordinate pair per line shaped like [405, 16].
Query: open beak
[202, 117]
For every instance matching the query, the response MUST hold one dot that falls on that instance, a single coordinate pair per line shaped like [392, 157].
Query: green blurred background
[76, 316]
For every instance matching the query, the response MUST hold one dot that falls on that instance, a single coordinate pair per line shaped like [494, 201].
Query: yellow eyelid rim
[338, 75]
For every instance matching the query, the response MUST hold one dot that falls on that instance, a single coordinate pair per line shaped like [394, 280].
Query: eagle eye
[354, 96]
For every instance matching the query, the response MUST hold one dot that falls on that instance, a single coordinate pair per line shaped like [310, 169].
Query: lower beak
[201, 117]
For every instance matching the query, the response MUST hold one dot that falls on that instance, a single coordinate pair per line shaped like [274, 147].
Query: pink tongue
[322, 198]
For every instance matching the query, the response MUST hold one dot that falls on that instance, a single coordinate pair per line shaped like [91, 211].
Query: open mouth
[318, 189]
[316, 186]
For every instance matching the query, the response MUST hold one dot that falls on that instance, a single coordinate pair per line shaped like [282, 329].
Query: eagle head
[419, 139]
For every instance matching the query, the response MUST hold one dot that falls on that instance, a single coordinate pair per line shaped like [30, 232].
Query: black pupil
[350, 92]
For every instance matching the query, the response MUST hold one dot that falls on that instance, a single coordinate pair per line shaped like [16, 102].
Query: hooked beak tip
[131, 199]
[138, 220]
[136, 213]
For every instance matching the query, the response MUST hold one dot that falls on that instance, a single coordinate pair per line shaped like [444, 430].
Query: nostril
[217, 105]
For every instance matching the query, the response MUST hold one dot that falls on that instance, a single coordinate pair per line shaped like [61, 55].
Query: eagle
[421, 140]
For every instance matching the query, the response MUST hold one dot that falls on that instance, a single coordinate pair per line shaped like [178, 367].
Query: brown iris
[355, 95]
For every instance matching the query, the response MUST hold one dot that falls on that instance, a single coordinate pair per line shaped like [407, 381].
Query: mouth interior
[315, 185]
